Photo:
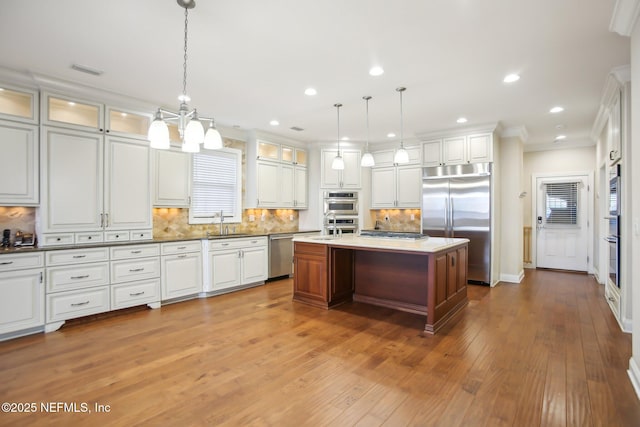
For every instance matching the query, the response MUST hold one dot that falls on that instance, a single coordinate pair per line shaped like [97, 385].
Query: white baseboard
[512, 278]
[634, 375]
[626, 325]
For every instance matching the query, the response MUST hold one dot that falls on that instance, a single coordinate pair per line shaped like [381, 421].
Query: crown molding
[625, 15]
[516, 132]
[481, 128]
[616, 79]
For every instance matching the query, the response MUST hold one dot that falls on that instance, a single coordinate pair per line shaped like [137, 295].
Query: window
[561, 201]
[216, 186]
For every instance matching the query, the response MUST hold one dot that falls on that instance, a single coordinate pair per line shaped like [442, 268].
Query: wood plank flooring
[546, 352]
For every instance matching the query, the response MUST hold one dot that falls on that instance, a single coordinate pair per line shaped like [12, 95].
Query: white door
[383, 187]
[562, 218]
[268, 183]
[409, 186]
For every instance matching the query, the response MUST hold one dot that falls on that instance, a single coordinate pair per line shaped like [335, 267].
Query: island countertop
[426, 245]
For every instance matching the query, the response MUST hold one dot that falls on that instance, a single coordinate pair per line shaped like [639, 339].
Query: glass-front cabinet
[18, 104]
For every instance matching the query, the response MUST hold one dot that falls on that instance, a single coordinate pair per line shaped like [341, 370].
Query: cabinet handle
[225, 244]
[136, 252]
[6, 263]
[612, 299]
[41, 277]
[136, 294]
[80, 256]
[254, 241]
[101, 220]
[182, 247]
[182, 256]
[135, 270]
[106, 220]
[78, 304]
[79, 277]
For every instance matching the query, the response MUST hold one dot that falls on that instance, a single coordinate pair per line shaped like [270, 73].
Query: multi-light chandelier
[189, 123]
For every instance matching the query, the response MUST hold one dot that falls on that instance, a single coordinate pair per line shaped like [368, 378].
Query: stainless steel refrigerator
[456, 202]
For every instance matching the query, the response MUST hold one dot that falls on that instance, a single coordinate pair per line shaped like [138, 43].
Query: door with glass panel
[562, 219]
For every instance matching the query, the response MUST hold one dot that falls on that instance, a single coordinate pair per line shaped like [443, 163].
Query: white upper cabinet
[18, 104]
[349, 177]
[127, 123]
[396, 187]
[385, 157]
[456, 150]
[172, 178]
[19, 149]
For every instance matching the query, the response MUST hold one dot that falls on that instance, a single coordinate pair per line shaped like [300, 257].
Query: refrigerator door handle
[452, 215]
[446, 218]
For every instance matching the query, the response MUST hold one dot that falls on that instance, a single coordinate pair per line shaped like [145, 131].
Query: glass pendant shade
[212, 139]
[367, 160]
[194, 132]
[337, 163]
[159, 135]
[401, 156]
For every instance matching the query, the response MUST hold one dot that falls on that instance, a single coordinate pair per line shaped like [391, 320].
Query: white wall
[511, 166]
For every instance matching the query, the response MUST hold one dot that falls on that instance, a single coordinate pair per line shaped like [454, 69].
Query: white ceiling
[251, 60]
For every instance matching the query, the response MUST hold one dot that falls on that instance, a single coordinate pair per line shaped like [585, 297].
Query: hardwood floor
[546, 352]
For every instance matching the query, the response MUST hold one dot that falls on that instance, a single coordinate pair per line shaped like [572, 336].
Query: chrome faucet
[222, 222]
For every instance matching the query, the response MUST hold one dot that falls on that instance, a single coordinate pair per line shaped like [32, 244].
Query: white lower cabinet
[237, 262]
[68, 305]
[181, 268]
[21, 294]
[135, 293]
[135, 275]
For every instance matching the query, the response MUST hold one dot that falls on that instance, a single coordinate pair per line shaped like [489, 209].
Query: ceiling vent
[296, 128]
[87, 70]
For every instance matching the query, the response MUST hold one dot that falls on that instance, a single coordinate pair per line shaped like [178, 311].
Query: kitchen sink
[393, 234]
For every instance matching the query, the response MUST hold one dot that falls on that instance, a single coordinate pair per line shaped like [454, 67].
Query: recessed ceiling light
[310, 91]
[510, 78]
[376, 71]
[556, 109]
[560, 138]
[391, 135]
[274, 123]
[462, 120]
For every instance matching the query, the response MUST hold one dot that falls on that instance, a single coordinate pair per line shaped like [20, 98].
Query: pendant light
[402, 155]
[189, 124]
[338, 161]
[367, 160]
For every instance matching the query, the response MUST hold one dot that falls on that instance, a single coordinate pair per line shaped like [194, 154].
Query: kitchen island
[424, 276]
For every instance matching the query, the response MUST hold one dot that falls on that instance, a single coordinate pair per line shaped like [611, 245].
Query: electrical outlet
[413, 217]
[386, 218]
[263, 217]
[290, 217]
[252, 218]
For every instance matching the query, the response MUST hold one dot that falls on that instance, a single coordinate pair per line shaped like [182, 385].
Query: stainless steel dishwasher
[280, 255]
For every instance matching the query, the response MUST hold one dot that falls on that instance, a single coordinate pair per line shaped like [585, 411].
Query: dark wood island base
[433, 284]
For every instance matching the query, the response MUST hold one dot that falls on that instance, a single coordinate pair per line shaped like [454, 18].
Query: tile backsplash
[399, 219]
[17, 218]
[174, 222]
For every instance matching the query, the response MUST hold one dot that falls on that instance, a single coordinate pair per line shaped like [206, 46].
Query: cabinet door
[480, 148]
[267, 185]
[383, 187]
[287, 186]
[351, 175]
[409, 186]
[19, 149]
[225, 269]
[432, 153]
[72, 197]
[70, 112]
[300, 157]
[127, 184]
[181, 275]
[21, 300]
[330, 178]
[254, 264]
[172, 178]
[454, 151]
[300, 184]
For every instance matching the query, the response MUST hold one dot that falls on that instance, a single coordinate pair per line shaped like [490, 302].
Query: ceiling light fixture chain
[338, 161]
[367, 158]
[190, 126]
[402, 155]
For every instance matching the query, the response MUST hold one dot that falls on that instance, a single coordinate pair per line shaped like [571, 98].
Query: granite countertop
[24, 249]
[426, 245]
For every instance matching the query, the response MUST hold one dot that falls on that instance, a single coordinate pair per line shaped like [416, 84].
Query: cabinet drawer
[77, 256]
[225, 244]
[95, 237]
[116, 236]
[138, 269]
[70, 277]
[10, 262]
[141, 235]
[67, 305]
[135, 251]
[57, 239]
[180, 247]
[135, 293]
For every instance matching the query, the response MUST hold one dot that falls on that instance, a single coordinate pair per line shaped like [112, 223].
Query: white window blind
[216, 185]
[561, 203]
